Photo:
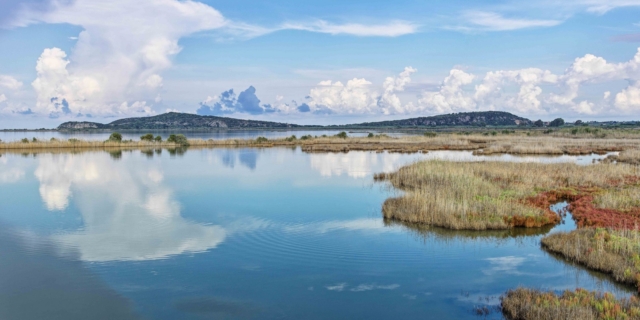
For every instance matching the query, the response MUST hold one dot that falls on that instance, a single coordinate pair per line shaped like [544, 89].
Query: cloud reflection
[246, 157]
[360, 164]
[128, 213]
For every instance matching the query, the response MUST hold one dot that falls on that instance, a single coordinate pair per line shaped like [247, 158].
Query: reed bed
[502, 195]
[519, 144]
[580, 304]
[550, 145]
[612, 251]
[631, 156]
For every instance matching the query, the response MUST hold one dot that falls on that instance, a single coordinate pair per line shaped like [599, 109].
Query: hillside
[481, 118]
[175, 121]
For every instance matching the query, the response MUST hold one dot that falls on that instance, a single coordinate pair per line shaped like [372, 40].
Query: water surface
[247, 234]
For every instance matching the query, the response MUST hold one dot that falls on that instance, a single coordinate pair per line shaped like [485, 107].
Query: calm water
[216, 135]
[246, 234]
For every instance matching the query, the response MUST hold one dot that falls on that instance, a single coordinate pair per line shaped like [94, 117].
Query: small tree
[578, 122]
[115, 137]
[370, 135]
[342, 135]
[178, 139]
[539, 123]
[158, 139]
[25, 140]
[261, 139]
[558, 122]
[147, 137]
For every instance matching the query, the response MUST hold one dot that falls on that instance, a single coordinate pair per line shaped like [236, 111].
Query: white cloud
[491, 21]
[604, 6]
[10, 82]
[489, 93]
[3, 98]
[355, 97]
[118, 56]
[629, 98]
[389, 101]
[391, 29]
[451, 96]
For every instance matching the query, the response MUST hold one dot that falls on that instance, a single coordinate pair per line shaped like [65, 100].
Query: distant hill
[187, 121]
[481, 118]
[175, 121]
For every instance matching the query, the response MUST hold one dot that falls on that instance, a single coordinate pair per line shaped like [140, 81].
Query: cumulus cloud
[118, 57]
[389, 101]
[450, 96]
[489, 93]
[9, 82]
[227, 102]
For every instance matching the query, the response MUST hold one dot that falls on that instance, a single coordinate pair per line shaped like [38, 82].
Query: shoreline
[512, 144]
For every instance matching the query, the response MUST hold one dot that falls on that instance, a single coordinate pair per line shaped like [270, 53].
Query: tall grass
[511, 143]
[613, 251]
[580, 304]
[493, 195]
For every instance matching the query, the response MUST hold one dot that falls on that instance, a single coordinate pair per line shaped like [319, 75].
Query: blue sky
[317, 62]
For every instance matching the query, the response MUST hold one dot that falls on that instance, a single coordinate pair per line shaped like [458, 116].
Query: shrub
[539, 123]
[261, 140]
[179, 139]
[430, 134]
[342, 135]
[115, 137]
[34, 139]
[493, 133]
[25, 140]
[147, 137]
[158, 139]
[558, 122]
[53, 140]
[307, 137]
[73, 140]
[292, 138]
[370, 135]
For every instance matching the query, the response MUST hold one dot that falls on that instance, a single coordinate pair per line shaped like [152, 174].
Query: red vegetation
[584, 212]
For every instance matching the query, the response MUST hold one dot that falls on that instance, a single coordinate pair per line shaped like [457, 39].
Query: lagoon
[248, 234]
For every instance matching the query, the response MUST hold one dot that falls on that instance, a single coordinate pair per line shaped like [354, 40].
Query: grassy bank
[529, 304]
[499, 195]
[512, 143]
[612, 251]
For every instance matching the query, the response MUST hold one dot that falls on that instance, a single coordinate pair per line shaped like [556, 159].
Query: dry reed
[530, 304]
[495, 195]
[480, 144]
[615, 252]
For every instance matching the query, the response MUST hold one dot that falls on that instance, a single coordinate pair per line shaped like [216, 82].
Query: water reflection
[246, 157]
[10, 173]
[36, 283]
[127, 211]
[427, 234]
[360, 164]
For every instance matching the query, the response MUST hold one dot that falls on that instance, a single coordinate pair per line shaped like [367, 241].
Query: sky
[317, 62]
